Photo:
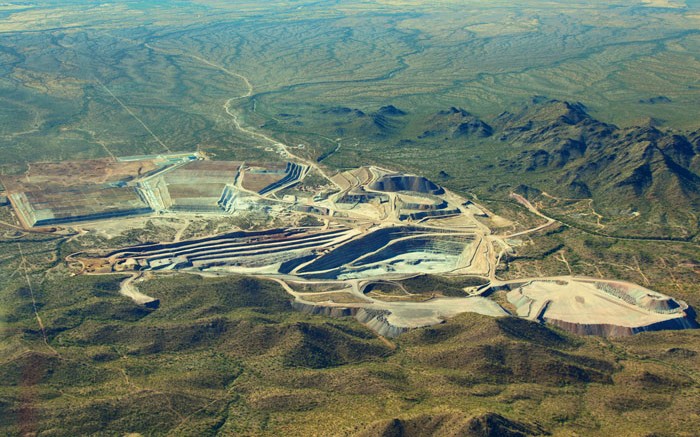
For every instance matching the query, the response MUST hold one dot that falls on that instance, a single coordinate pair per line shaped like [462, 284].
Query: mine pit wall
[282, 248]
[263, 257]
[609, 330]
[437, 205]
[429, 244]
[288, 267]
[489, 289]
[353, 199]
[147, 247]
[238, 256]
[395, 183]
[247, 261]
[420, 201]
[293, 171]
[349, 251]
[415, 216]
[375, 320]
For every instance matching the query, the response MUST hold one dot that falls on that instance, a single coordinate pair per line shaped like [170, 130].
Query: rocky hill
[646, 173]
[384, 122]
[229, 356]
[637, 170]
[456, 123]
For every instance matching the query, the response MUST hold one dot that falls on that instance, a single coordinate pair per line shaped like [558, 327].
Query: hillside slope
[643, 180]
[228, 356]
[634, 170]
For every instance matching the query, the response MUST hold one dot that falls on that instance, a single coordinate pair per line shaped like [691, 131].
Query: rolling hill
[644, 180]
[228, 356]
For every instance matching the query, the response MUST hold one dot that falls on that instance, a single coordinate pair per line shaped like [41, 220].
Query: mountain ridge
[557, 147]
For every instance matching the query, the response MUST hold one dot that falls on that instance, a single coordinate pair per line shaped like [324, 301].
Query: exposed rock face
[376, 320]
[319, 310]
[631, 167]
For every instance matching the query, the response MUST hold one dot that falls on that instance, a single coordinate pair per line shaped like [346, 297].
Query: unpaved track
[520, 199]
[126, 108]
[526, 203]
[25, 268]
[128, 289]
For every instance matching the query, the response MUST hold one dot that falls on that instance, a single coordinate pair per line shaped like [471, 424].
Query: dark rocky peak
[387, 119]
[556, 153]
[452, 424]
[342, 110]
[383, 123]
[679, 148]
[354, 122]
[545, 111]
[473, 128]
[655, 100]
[391, 111]
[454, 111]
[621, 168]
[553, 120]
[644, 151]
[673, 145]
[639, 180]
[527, 191]
[444, 175]
[644, 133]
[560, 111]
[578, 189]
[694, 138]
[456, 123]
[504, 117]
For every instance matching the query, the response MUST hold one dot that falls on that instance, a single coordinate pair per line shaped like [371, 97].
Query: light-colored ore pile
[393, 318]
[598, 307]
[350, 245]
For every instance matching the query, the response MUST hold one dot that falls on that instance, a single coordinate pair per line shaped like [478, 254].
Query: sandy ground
[581, 302]
[129, 290]
[417, 314]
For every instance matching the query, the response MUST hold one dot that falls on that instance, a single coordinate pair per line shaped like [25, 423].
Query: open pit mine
[396, 251]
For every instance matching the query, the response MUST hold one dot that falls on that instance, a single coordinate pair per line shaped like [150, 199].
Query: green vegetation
[454, 287]
[118, 357]
[229, 355]
[355, 82]
[367, 84]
